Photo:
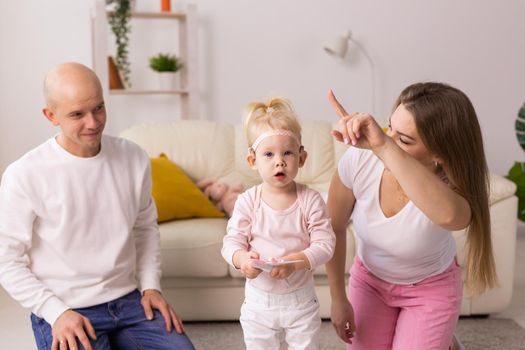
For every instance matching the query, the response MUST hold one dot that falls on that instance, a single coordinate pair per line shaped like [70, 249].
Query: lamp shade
[339, 45]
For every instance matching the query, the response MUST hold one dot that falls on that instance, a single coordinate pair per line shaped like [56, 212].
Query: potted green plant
[166, 65]
[517, 172]
[118, 18]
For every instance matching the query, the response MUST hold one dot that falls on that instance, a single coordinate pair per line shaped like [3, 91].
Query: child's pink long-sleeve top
[305, 226]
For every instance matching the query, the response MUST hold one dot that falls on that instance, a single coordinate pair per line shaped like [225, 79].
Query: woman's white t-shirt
[404, 248]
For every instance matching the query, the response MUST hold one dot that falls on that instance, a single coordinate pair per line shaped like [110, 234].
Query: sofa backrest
[207, 149]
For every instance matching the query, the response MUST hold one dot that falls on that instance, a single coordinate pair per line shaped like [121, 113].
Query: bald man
[79, 242]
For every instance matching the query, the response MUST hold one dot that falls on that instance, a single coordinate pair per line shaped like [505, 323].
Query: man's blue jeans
[120, 324]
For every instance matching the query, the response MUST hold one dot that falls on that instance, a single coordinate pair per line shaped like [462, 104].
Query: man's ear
[250, 158]
[302, 157]
[50, 116]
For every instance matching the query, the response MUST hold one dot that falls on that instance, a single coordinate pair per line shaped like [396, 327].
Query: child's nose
[280, 163]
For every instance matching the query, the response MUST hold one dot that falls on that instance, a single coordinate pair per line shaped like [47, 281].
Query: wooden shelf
[159, 15]
[147, 92]
[188, 52]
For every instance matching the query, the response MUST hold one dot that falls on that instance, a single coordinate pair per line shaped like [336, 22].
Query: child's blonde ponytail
[277, 113]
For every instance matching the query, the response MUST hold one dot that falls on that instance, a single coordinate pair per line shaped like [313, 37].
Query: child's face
[278, 159]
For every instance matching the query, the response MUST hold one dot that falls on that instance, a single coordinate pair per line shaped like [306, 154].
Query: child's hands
[247, 269]
[282, 271]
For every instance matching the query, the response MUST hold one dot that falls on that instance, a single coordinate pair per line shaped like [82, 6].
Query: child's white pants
[264, 316]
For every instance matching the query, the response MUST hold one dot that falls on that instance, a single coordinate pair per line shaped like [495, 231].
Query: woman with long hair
[406, 190]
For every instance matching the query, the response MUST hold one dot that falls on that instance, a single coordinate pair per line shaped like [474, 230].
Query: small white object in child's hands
[268, 264]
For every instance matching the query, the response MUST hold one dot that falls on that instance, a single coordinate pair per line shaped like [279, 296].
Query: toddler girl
[278, 220]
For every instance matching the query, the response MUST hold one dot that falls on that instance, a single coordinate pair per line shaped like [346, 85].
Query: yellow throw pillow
[175, 194]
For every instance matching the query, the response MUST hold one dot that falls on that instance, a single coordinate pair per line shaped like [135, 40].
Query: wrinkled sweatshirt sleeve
[322, 237]
[147, 236]
[16, 228]
[239, 227]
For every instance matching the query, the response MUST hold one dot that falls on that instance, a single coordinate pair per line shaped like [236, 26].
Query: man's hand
[69, 327]
[152, 299]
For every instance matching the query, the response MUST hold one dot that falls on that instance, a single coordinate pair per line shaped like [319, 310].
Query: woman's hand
[359, 129]
[342, 316]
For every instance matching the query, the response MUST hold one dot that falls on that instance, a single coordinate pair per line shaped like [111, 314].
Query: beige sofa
[198, 281]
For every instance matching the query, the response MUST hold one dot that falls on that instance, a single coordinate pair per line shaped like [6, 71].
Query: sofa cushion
[318, 143]
[192, 248]
[176, 196]
[203, 149]
[249, 176]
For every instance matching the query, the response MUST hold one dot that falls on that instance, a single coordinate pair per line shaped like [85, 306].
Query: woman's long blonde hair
[449, 128]
[276, 114]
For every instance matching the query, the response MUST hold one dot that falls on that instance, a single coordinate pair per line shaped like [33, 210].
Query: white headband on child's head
[275, 132]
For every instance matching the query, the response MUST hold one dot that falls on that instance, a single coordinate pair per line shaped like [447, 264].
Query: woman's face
[402, 129]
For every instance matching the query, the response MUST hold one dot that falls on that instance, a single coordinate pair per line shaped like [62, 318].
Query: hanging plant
[517, 172]
[118, 20]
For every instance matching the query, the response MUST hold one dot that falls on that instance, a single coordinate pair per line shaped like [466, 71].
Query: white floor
[16, 333]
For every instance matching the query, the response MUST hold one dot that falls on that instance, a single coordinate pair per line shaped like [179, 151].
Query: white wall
[250, 49]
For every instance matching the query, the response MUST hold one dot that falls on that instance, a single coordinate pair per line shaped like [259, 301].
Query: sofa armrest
[500, 188]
